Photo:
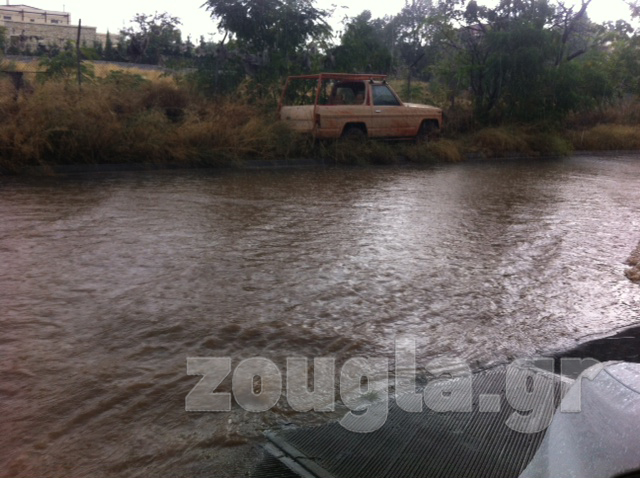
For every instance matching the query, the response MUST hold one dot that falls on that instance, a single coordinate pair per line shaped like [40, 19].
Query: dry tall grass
[114, 122]
[503, 141]
[606, 137]
[616, 127]
[626, 111]
[104, 69]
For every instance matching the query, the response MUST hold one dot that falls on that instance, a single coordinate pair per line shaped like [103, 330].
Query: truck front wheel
[427, 131]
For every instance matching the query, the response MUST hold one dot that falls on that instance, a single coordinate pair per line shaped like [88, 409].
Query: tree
[623, 63]
[273, 29]
[3, 39]
[361, 47]
[188, 48]
[109, 52]
[574, 31]
[522, 59]
[152, 38]
[218, 71]
[64, 65]
[414, 33]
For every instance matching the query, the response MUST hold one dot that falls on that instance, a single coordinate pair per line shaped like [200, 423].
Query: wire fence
[26, 70]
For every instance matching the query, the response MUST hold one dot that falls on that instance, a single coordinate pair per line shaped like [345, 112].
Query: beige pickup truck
[336, 105]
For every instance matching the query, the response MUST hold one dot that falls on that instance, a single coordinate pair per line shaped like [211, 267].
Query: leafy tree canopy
[270, 24]
[362, 47]
[151, 38]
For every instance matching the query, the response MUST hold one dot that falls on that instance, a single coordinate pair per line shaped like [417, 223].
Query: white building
[27, 14]
[33, 28]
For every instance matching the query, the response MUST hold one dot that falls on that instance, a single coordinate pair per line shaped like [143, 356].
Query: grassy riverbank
[124, 118]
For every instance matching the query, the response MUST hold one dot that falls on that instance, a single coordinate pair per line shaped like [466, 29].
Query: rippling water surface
[109, 282]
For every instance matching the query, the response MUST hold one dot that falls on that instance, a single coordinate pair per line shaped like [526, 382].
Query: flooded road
[109, 282]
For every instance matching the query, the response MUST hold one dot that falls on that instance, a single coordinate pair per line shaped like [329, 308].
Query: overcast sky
[115, 14]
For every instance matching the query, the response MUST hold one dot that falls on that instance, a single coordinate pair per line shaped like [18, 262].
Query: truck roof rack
[341, 76]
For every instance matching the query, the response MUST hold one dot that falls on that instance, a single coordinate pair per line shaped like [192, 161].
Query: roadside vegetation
[521, 78]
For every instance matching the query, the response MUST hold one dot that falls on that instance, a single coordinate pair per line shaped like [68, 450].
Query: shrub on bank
[626, 111]
[545, 143]
[437, 151]
[500, 142]
[606, 137]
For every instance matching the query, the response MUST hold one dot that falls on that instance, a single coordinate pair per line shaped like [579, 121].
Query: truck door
[389, 116]
[341, 103]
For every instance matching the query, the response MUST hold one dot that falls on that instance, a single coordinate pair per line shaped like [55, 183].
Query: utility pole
[78, 54]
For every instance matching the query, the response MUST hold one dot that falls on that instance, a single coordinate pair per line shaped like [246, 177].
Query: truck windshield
[382, 96]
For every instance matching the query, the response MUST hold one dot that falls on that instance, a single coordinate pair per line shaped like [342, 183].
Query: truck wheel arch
[356, 131]
[427, 130]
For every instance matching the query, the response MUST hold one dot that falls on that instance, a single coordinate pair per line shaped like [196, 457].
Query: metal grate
[416, 444]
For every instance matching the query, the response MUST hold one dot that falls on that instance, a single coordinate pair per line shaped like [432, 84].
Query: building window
[32, 20]
[7, 17]
[55, 21]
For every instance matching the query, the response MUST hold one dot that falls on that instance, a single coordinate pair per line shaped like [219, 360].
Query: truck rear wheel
[355, 134]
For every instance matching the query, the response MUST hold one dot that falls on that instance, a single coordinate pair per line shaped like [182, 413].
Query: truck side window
[347, 93]
[300, 92]
[382, 96]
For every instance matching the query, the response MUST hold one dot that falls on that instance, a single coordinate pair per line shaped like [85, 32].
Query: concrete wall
[23, 34]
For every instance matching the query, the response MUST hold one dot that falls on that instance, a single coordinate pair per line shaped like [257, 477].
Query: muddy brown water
[109, 282]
